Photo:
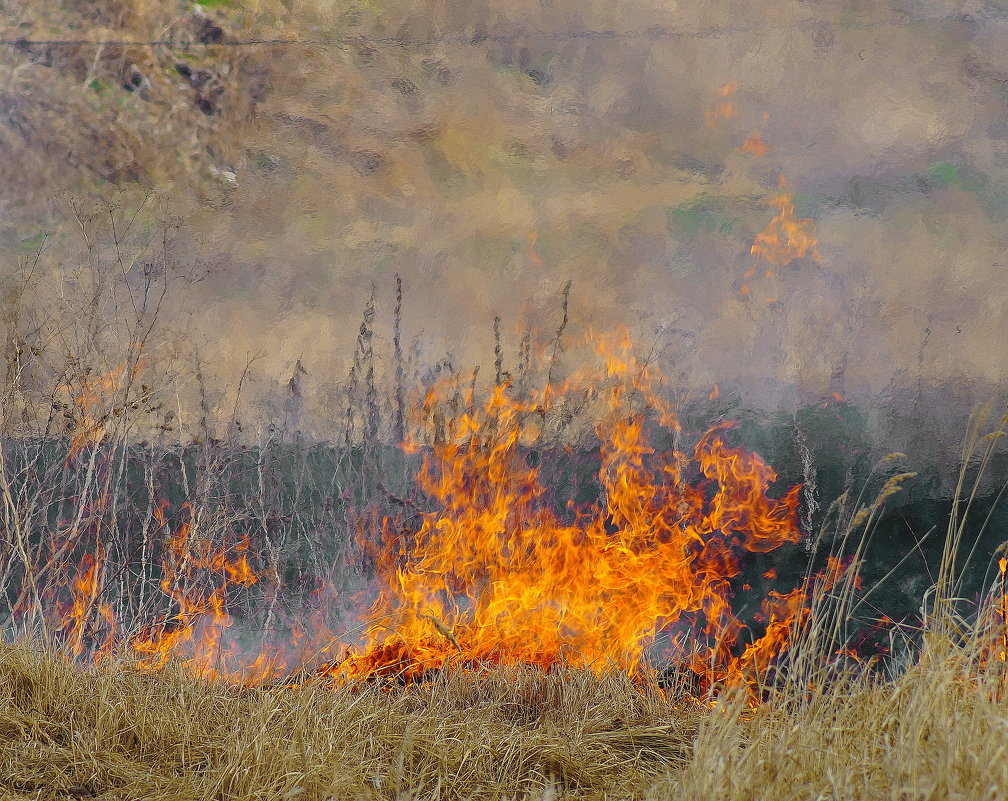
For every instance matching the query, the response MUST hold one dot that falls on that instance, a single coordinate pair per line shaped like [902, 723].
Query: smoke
[489, 152]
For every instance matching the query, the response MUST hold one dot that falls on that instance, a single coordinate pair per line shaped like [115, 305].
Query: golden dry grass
[118, 733]
[938, 731]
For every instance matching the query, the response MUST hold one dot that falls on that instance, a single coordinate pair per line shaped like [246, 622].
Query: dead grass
[119, 733]
[82, 116]
[935, 729]
[938, 731]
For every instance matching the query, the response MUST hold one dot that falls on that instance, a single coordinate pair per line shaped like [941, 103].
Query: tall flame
[77, 621]
[494, 575]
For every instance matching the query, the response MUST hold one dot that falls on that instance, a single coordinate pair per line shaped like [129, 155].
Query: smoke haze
[490, 152]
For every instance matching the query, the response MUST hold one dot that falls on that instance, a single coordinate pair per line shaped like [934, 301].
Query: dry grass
[117, 733]
[938, 731]
[83, 116]
[931, 727]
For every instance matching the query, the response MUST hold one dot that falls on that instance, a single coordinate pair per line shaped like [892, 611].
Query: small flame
[724, 109]
[754, 145]
[1003, 569]
[786, 237]
[93, 400]
[77, 621]
[194, 632]
[533, 256]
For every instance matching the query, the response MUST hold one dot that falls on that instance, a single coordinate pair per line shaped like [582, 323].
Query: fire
[93, 400]
[533, 256]
[1002, 611]
[199, 582]
[992, 633]
[194, 632]
[495, 575]
[77, 621]
[723, 109]
[786, 237]
[754, 145]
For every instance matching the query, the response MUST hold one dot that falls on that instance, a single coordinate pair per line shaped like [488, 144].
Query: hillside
[767, 191]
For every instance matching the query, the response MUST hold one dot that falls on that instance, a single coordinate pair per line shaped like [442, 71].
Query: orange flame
[193, 633]
[785, 238]
[724, 109]
[533, 256]
[93, 398]
[992, 629]
[1003, 570]
[495, 575]
[77, 620]
[754, 145]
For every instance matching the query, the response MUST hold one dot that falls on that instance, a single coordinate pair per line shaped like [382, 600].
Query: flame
[720, 111]
[1003, 610]
[93, 399]
[783, 613]
[77, 621]
[533, 256]
[193, 634]
[785, 238]
[991, 656]
[754, 145]
[724, 109]
[494, 575]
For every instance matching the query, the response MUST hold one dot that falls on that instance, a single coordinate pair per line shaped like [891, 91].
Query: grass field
[263, 537]
[935, 732]
[127, 690]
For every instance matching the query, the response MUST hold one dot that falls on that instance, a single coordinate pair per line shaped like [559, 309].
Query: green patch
[31, 244]
[852, 21]
[100, 86]
[944, 171]
[704, 214]
[215, 3]
[452, 181]
[996, 203]
[264, 162]
[943, 233]
[948, 174]
[807, 204]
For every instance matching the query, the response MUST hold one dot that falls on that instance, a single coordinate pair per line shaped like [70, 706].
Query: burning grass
[493, 574]
[432, 713]
[502, 640]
